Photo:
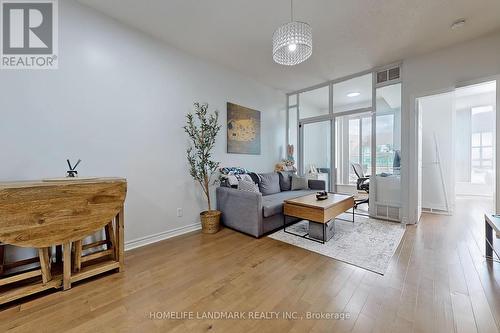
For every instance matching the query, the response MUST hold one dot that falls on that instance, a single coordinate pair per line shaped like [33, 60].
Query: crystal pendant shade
[292, 43]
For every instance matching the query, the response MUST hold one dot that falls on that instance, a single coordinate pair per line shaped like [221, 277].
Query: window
[482, 120]
[353, 145]
[292, 131]
[388, 130]
[314, 103]
[353, 94]
[317, 149]
[366, 143]
[360, 128]
[385, 144]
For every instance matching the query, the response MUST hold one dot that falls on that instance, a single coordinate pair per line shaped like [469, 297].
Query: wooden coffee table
[319, 213]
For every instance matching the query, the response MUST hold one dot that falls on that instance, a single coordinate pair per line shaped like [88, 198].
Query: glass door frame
[301, 166]
[345, 120]
[331, 116]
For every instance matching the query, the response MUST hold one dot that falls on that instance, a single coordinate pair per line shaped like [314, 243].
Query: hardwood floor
[438, 281]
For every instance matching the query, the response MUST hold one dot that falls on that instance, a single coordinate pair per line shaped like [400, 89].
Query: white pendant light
[292, 42]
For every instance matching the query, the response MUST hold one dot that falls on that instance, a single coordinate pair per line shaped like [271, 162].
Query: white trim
[412, 147]
[497, 148]
[143, 241]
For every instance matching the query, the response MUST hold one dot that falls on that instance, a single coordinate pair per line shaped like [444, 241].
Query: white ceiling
[483, 94]
[348, 35]
[476, 89]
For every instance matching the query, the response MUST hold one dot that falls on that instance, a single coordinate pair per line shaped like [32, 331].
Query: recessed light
[353, 94]
[458, 24]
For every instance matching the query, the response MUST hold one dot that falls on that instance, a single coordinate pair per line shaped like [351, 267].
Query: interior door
[437, 130]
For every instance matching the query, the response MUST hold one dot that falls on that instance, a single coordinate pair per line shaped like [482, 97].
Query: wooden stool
[109, 242]
[5, 266]
[44, 271]
[73, 253]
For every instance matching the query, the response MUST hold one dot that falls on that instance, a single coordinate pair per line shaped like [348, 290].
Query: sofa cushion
[247, 185]
[269, 183]
[255, 177]
[273, 204]
[299, 183]
[285, 180]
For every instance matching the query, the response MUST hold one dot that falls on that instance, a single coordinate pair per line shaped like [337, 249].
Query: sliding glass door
[352, 146]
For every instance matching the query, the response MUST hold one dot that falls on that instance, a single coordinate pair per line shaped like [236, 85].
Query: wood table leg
[77, 256]
[120, 238]
[66, 266]
[110, 237]
[43, 254]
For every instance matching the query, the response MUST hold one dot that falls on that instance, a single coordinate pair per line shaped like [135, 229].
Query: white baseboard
[143, 241]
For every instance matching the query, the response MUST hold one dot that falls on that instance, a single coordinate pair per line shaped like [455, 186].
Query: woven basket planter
[210, 221]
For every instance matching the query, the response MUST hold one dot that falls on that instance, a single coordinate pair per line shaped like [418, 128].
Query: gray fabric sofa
[256, 214]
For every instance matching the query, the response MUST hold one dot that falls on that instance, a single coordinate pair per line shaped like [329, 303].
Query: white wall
[437, 72]
[118, 101]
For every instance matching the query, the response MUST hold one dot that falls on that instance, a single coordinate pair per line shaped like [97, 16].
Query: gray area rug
[367, 243]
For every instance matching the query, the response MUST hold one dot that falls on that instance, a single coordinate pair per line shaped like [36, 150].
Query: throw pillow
[246, 177]
[232, 180]
[285, 180]
[299, 183]
[269, 183]
[255, 177]
[247, 185]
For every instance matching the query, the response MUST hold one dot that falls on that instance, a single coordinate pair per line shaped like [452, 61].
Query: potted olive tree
[202, 129]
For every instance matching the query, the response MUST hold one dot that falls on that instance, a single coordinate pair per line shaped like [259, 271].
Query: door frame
[413, 149]
[332, 118]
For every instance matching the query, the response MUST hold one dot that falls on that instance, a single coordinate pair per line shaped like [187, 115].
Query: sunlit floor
[438, 281]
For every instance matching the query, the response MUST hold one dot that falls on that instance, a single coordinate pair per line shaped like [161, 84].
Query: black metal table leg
[324, 227]
[489, 239]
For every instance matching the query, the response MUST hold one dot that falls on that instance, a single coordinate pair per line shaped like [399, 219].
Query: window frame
[331, 116]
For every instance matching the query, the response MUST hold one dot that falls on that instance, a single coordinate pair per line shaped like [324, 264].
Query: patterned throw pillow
[249, 186]
[246, 177]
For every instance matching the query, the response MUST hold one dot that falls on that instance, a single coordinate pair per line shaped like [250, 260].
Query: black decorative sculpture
[322, 195]
[72, 169]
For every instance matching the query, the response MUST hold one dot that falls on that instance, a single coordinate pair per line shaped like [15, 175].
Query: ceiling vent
[388, 75]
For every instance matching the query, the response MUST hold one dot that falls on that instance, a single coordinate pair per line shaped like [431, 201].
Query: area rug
[367, 243]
